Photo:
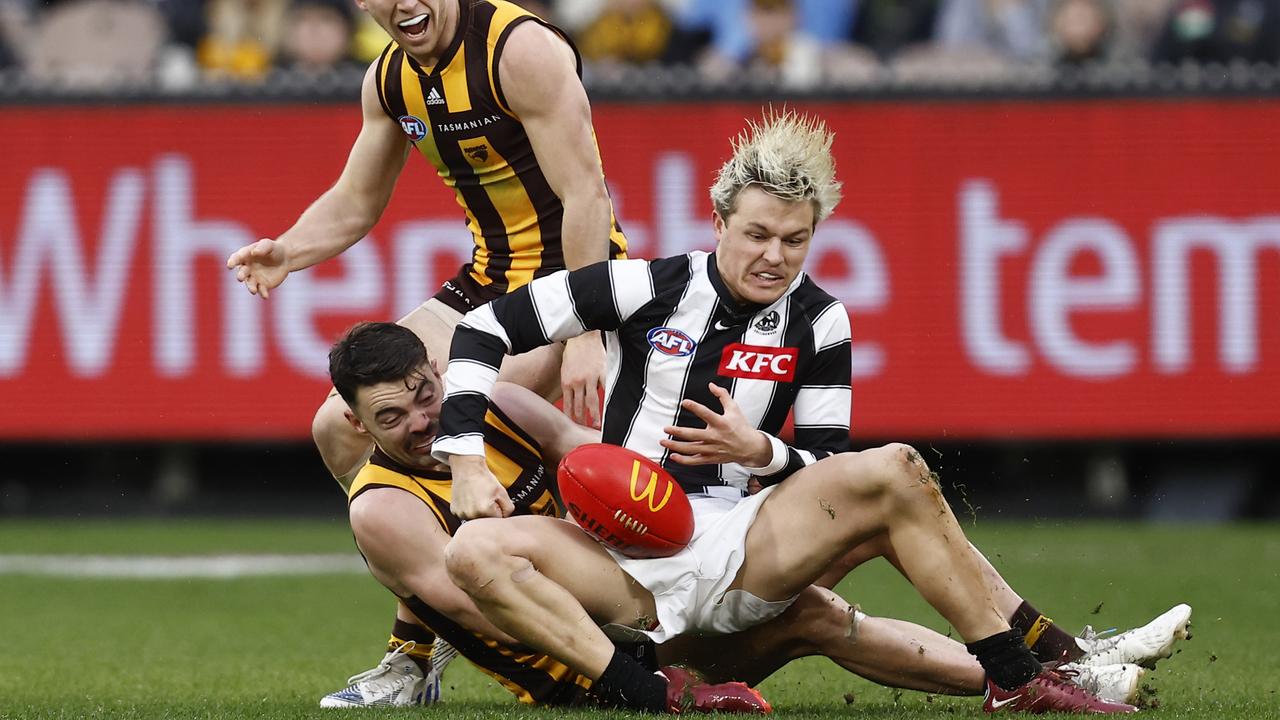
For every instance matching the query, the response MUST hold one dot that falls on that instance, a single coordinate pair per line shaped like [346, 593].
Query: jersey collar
[381, 459]
[464, 24]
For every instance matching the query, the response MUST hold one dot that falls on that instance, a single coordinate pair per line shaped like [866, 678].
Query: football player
[708, 355]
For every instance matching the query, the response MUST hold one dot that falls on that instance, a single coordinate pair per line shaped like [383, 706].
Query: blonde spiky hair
[788, 156]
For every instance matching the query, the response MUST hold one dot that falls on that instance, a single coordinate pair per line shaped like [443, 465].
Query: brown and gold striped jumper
[457, 116]
[516, 460]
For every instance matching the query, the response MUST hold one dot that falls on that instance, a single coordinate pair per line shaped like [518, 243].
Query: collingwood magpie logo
[768, 323]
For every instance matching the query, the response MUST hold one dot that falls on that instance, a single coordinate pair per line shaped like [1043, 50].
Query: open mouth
[416, 26]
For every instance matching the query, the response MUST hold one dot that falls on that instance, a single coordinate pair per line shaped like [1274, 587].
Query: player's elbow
[586, 192]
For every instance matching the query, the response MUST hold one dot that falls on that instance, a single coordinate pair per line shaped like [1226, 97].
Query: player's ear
[718, 224]
[355, 421]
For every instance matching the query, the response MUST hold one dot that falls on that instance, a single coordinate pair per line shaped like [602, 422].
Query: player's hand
[260, 266]
[476, 492]
[581, 376]
[728, 437]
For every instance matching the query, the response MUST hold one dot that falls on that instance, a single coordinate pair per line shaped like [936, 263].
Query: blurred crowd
[800, 44]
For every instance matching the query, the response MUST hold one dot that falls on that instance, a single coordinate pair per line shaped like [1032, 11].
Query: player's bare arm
[340, 216]
[476, 491]
[540, 81]
[555, 433]
[405, 551]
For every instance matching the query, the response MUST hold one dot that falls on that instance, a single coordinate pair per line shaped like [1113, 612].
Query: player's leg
[550, 585]
[886, 495]
[1048, 641]
[390, 526]
[889, 495]
[884, 650]
[409, 673]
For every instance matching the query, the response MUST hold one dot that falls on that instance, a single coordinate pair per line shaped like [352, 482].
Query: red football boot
[1050, 691]
[686, 692]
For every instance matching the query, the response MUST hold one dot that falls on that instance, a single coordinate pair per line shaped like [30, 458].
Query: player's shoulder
[811, 298]
[823, 311]
[522, 38]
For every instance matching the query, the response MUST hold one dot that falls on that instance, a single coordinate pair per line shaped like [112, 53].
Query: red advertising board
[1033, 269]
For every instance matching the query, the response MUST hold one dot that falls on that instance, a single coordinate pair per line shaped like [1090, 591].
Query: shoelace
[1089, 635]
[372, 675]
[1064, 677]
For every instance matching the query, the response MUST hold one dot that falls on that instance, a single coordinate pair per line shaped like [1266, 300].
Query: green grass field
[269, 647]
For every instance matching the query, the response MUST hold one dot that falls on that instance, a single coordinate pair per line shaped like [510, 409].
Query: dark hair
[371, 353]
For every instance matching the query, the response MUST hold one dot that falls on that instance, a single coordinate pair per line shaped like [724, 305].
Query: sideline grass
[269, 647]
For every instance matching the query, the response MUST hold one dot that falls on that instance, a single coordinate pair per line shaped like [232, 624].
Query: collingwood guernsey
[670, 323]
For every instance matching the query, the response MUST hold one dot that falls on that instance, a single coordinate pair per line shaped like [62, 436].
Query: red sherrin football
[625, 500]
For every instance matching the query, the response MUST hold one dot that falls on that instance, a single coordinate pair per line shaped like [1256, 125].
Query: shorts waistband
[462, 293]
[719, 491]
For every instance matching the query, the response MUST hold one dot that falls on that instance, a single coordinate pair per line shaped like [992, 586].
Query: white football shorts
[691, 588]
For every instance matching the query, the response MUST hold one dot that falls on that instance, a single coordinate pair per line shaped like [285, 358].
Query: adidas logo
[433, 97]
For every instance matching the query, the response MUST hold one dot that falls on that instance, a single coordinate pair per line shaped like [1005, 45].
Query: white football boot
[1142, 646]
[397, 681]
[1117, 683]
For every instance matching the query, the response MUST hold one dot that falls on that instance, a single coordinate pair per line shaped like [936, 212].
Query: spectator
[15, 20]
[96, 44]
[778, 51]
[369, 40]
[627, 31]
[1080, 31]
[1138, 24]
[887, 26]
[242, 39]
[723, 20]
[317, 37]
[1013, 29]
[1221, 31]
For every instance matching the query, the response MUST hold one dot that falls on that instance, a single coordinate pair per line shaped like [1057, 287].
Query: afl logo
[413, 127]
[670, 341]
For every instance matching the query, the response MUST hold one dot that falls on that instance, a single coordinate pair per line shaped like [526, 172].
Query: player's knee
[474, 554]
[823, 620]
[911, 482]
[868, 475]
[885, 476]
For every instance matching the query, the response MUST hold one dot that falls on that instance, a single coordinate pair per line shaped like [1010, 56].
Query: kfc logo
[670, 341]
[756, 362]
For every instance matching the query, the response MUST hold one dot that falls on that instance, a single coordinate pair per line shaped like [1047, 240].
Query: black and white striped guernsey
[671, 327]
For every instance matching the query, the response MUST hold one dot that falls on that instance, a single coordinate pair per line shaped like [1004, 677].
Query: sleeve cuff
[458, 445]
[778, 461]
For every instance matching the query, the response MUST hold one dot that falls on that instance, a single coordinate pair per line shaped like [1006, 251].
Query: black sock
[402, 632]
[1006, 659]
[1047, 641]
[625, 683]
